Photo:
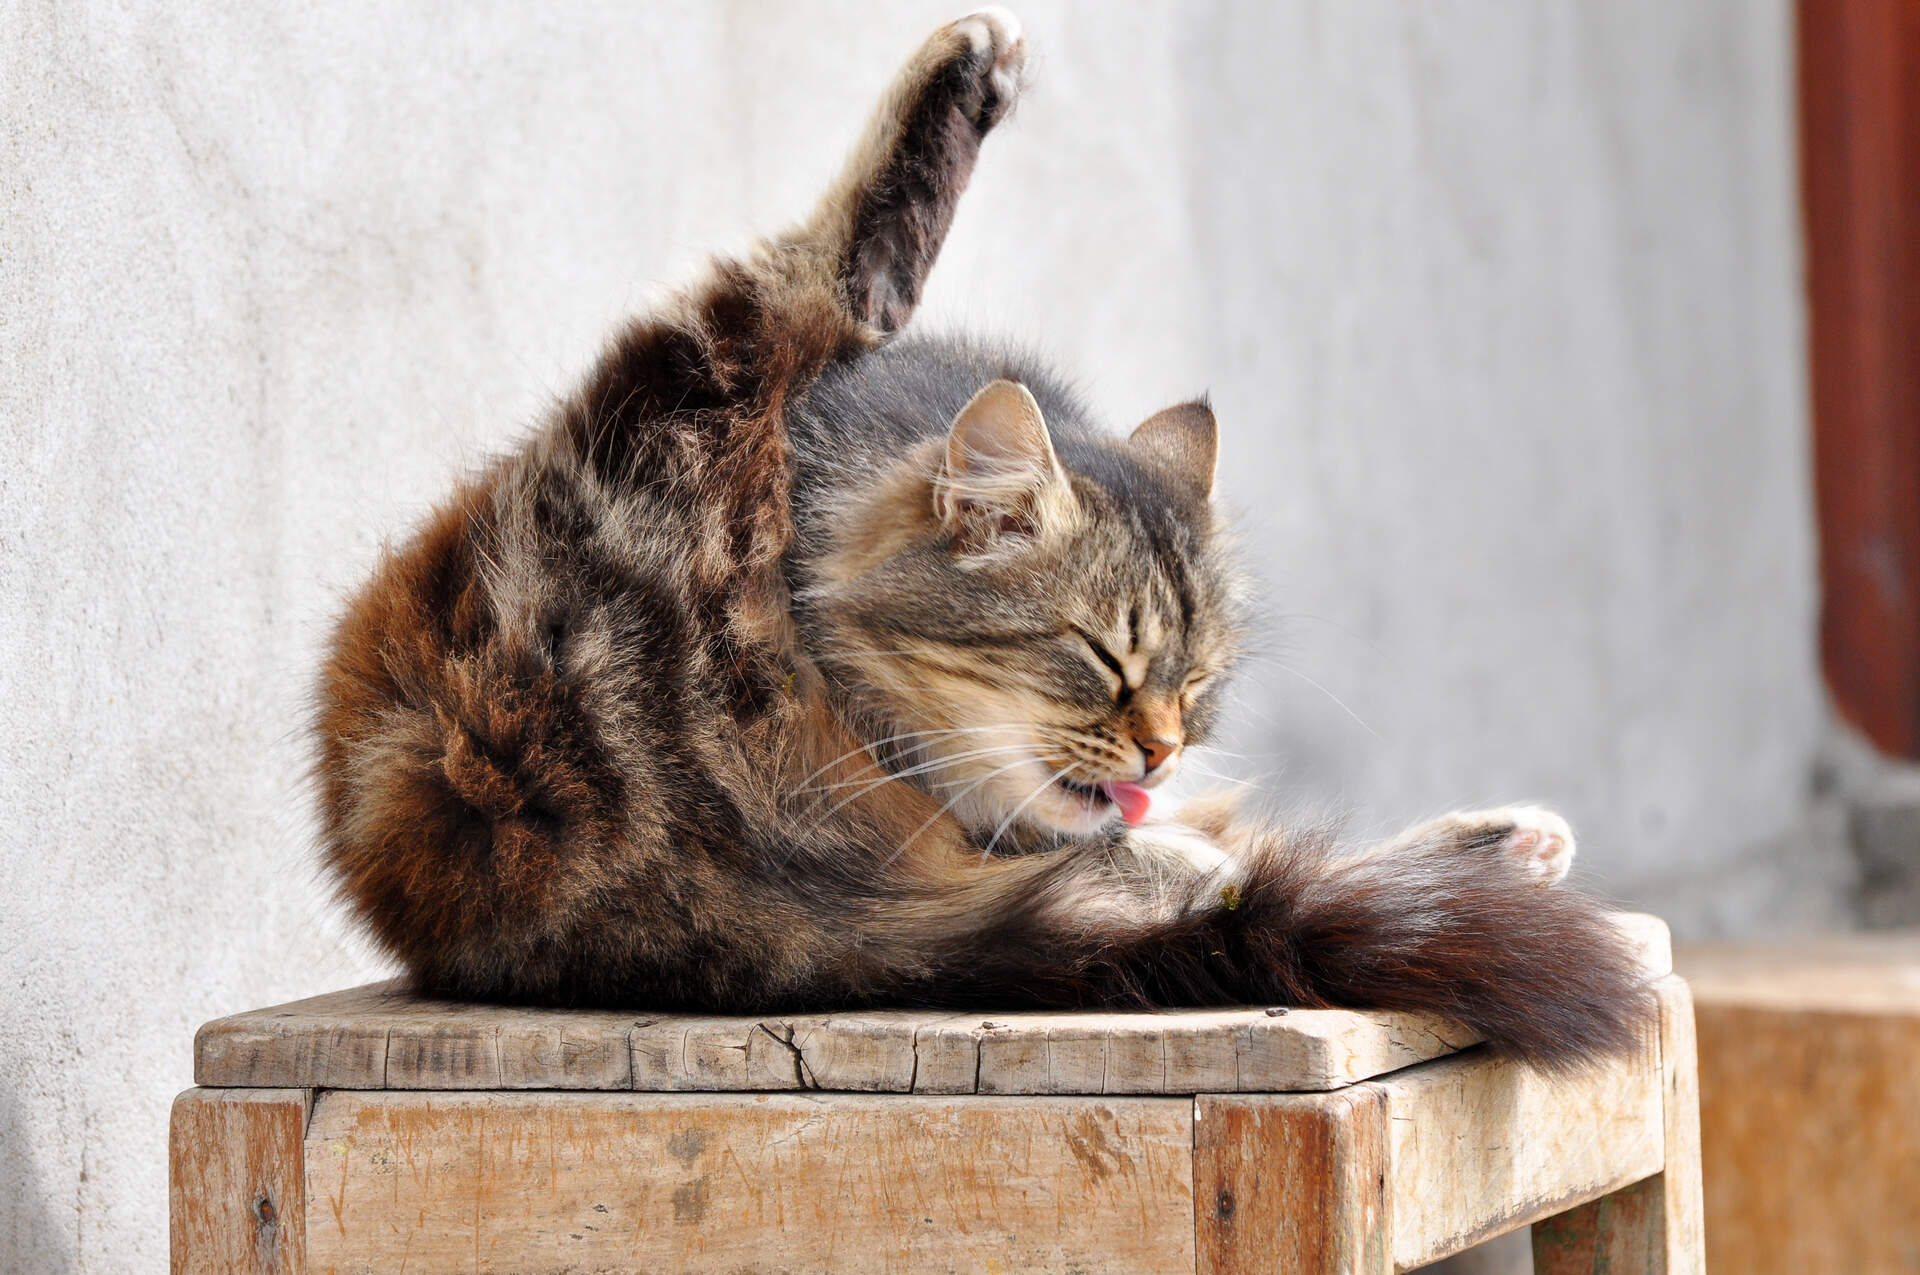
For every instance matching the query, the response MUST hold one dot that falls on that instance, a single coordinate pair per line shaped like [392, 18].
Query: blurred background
[1505, 309]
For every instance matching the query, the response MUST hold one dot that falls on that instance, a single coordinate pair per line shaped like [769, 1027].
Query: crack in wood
[802, 1073]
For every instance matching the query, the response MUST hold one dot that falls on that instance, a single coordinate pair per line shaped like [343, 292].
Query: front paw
[1535, 839]
[995, 55]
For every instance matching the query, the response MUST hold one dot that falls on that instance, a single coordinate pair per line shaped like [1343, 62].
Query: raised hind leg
[691, 397]
[877, 231]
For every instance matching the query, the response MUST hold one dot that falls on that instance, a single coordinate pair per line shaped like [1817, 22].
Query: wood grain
[1681, 1215]
[376, 1037]
[1294, 1183]
[683, 1182]
[1809, 1108]
[236, 1182]
[379, 1037]
[1479, 1146]
[1015, 1170]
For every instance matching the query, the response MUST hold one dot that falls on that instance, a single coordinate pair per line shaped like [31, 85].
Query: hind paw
[1540, 841]
[1534, 838]
[996, 47]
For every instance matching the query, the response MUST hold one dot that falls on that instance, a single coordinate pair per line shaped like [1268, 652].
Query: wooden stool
[370, 1131]
[1810, 1102]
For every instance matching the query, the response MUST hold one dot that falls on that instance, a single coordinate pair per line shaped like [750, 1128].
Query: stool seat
[382, 1037]
[370, 1128]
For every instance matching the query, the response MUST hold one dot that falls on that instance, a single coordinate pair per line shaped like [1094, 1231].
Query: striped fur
[676, 705]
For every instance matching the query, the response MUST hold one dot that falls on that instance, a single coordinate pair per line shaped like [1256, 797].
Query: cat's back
[534, 707]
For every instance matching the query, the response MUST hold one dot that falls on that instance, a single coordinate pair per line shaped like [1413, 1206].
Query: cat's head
[1041, 625]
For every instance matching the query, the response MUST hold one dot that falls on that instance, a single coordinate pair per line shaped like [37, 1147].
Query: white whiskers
[1015, 812]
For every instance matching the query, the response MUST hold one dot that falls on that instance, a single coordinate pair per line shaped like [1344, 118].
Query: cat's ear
[1000, 478]
[1186, 441]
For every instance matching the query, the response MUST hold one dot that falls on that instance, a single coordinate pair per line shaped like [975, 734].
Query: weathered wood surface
[236, 1181]
[380, 1037]
[1810, 1103]
[1386, 1174]
[606, 1182]
[1681, 1216]
[1654, 1226]
[1478, 1147]
[1292, 1182]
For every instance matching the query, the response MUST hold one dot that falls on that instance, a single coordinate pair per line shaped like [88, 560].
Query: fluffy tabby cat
[791, 665]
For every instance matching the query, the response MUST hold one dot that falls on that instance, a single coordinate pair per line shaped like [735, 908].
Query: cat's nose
[1157, 750]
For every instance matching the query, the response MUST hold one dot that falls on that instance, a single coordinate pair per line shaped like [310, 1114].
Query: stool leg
[237, 1181]
[1683, 1208]
[1622, 1234]
[1652, 1227]
[1292, 1182]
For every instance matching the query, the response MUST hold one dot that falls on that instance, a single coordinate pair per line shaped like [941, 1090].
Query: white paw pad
[995, 33]
[1541, 842]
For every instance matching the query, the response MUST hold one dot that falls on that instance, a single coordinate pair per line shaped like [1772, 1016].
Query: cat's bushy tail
[1443, 925]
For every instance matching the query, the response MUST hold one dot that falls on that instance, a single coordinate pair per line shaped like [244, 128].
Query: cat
[799, 664]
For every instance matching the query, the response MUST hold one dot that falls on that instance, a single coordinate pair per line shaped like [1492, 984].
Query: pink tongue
[1132, 799]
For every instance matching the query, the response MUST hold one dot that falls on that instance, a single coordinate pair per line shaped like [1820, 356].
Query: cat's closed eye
[1107, 658]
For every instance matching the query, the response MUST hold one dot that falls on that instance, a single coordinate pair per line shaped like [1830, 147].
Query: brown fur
[575, 734]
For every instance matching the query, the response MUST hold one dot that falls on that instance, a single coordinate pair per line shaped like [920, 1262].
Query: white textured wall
[1498, 303]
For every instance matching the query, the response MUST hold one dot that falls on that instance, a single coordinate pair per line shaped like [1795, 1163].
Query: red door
[1860, 185]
